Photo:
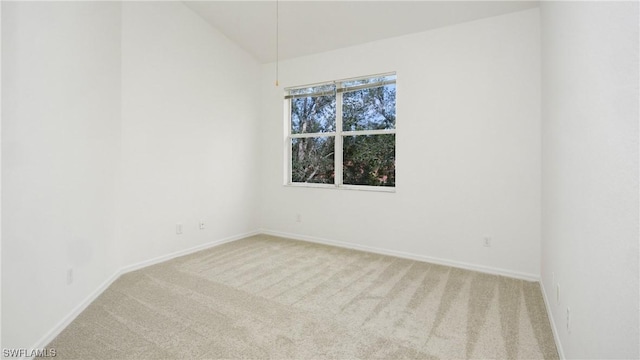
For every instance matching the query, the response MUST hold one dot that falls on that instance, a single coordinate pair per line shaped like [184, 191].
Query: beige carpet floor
[267, 297]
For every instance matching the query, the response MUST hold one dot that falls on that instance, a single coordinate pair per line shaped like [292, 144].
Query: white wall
[468, 147]
[0, 174]
[120, 120]
[590, 175]
[60, 129]
[189, 127]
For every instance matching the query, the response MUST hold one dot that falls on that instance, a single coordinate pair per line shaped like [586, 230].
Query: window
[343, 133]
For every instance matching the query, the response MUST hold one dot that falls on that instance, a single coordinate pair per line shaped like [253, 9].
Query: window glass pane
[313, 114]
[312, 160]
[369, 108]
[369, 160]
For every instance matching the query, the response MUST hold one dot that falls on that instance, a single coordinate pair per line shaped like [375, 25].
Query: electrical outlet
[486, 241]
[569, 320]
[179, 229]
[69, 276]
[201, 225]
[298, 218]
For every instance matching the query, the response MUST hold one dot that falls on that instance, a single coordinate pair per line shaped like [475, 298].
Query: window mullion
[338, 139]
[289, 142]
[312, 135]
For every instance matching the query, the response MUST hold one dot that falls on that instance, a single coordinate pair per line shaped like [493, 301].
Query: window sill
[382, 189]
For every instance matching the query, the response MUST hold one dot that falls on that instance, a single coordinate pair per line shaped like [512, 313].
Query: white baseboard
[552, 321]
[163, 258]
[45, 340]
[405, 255]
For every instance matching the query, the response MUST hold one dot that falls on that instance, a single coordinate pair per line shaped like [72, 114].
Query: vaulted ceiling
[308, 27]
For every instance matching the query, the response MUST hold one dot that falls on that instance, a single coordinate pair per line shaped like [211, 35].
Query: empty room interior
[320, 179]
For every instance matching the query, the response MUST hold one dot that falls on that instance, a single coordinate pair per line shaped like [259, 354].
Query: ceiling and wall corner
[311, 27]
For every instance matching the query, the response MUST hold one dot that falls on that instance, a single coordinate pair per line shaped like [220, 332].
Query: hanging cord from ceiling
[277, 39]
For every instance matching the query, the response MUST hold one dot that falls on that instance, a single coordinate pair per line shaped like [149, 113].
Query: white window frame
[338, 143]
